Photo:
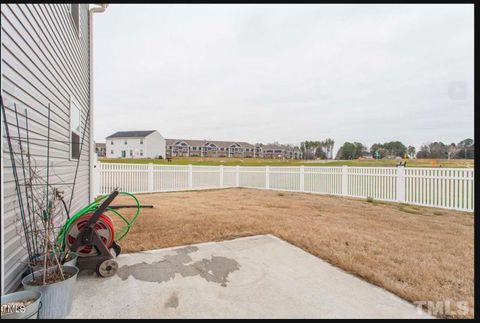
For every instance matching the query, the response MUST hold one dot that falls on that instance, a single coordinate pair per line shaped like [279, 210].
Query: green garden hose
[120, 234]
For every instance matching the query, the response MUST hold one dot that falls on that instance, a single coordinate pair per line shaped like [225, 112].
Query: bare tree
[452, 150]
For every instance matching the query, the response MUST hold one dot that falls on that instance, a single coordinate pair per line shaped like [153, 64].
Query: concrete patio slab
[252, 277]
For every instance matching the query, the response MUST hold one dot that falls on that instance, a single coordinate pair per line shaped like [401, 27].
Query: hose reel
[92, 235]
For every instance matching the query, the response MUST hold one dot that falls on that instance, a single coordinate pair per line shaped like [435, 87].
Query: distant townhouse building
[208, 148]
[101, 149]
[281, 151]
[135, 144]
[184, 148]
[215, 148]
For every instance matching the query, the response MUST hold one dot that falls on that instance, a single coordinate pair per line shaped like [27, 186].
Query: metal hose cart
[90, 233]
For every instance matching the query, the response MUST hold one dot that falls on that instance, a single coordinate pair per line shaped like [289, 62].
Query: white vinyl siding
[44, 62]
[151, 146]
[75, 129]
[75, 15]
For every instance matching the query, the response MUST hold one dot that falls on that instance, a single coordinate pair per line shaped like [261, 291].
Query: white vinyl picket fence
[450, 188]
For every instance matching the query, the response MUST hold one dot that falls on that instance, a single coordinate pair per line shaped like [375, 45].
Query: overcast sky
[286, 73]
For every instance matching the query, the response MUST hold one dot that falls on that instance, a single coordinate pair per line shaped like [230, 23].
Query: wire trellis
[37, 213]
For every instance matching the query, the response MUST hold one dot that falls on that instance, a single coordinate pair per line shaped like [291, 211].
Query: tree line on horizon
[464, 149]
[317, 149]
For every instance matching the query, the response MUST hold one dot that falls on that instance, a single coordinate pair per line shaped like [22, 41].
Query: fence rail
[450, 188]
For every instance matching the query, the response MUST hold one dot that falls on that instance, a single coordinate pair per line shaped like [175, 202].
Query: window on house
[125, 142]
[111, 142]
[141, 141]
[74, 129]
[141, 152]
[111, 152]
[75, 12]
[131, 152]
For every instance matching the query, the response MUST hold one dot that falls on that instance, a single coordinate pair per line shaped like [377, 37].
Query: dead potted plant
[54, 280]
[66, 258]
[37, 201]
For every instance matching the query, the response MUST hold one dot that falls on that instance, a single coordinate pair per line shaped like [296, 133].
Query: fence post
[344, 180]
[221, 176]
[237, 176]
[302, 178]
[267, 177]
[190, 177]
[400, 189]
[150, 178]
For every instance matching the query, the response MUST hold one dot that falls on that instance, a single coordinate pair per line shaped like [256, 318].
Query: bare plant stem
[59, 266]
[45, 250]
[66, 253]
[56, 260]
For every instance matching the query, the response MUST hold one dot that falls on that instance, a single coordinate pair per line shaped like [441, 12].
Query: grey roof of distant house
[200, 143]
[280, 147]
[189, 142]
[131, 134]
[218, 143]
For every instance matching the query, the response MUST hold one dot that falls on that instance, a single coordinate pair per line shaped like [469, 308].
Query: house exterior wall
[156, 145]
[115, 147]
[150, 146]
[182, 151]
[44, 61]
[100, 149]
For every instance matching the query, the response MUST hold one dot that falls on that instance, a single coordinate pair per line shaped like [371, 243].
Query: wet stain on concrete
[216, 269]
[172, 301]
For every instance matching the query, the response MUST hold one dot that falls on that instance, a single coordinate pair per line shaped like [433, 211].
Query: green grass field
[453, 163]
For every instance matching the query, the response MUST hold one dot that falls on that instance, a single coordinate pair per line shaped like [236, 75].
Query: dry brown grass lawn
[420, 254]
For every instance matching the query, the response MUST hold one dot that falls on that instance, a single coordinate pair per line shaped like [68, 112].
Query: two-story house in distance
[136, 144]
